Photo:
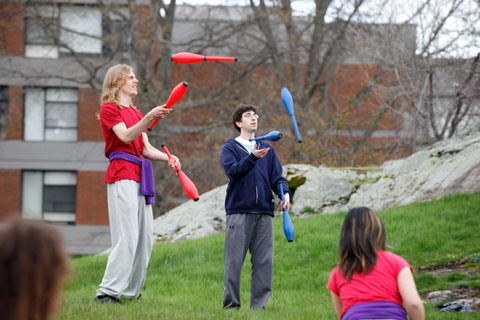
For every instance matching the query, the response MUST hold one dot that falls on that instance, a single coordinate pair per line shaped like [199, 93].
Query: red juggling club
[188, 58]
[187, 184]
[176, 94]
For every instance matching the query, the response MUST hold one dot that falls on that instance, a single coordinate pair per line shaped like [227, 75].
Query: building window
[49, 196]
[3, 112]
[53, 30]
[115, 25]
[50, 114]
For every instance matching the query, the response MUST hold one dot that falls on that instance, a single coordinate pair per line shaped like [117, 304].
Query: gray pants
[254, 232]
[131, 229]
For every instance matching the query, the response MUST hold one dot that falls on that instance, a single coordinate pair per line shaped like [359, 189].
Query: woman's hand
[173, 162]
[159, 112]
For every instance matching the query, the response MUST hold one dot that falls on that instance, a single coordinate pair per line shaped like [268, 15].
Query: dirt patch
[462, 266]
[447, 268]
[464, 293]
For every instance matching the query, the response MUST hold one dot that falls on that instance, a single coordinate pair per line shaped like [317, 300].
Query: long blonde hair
[114, 79]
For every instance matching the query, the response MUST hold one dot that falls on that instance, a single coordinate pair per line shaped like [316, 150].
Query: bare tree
[87, 39]
[363, 90]
[439, 84]
[307, 55]
[405, 86]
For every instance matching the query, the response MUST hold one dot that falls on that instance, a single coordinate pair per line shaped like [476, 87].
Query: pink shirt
[111, 115]
[380, 284]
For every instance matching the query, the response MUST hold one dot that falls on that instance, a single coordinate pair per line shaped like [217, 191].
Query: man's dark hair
[239, 111]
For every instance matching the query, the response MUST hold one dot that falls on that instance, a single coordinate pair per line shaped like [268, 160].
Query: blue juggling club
[288, 102]
[272, 136]
[287, 222]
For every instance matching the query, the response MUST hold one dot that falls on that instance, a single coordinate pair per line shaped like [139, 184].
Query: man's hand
[286, 205]
[259, 153]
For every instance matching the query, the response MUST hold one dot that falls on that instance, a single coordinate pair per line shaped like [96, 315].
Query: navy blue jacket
[251, 179]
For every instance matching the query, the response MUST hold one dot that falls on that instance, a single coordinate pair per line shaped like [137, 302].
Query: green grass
[185, 279]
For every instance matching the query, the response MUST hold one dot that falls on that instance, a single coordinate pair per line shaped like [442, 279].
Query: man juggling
[254, 171]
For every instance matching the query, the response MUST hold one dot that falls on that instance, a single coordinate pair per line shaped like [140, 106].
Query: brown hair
[363, 234]
[33, 267]
[239, 111]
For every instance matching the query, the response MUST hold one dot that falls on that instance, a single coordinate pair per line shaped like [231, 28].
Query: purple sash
[147, 185]
[375, 310]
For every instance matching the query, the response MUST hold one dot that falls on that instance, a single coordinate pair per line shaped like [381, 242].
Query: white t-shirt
[249, 145]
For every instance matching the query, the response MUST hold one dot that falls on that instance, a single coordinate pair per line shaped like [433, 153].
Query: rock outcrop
[447, 167]
[192, 219]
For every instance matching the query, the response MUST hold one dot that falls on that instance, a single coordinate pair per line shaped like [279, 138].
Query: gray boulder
[193, 219]
[324, 190]
[447, 167]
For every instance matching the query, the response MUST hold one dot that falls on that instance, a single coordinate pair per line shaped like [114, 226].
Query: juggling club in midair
[188, 58]
[272, 136]
[288, 102]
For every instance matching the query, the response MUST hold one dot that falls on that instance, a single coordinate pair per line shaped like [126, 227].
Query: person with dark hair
[254, 171]
[369, 282]
[130, 184]
[33, 269]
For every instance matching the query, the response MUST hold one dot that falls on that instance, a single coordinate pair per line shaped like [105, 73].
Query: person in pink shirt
[369, 282]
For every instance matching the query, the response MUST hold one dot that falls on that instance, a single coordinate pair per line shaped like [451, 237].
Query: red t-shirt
[111, 115]
[380, 284]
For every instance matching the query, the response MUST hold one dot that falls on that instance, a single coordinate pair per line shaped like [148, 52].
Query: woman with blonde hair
[369, 282]
[130, 184]
[33, 268]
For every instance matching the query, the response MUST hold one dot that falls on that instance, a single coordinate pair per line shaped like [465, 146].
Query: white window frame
[34, 184]
[75, 28]
[38, 108]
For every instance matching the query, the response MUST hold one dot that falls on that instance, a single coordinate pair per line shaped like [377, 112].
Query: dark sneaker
[258, 308]
[105, 298]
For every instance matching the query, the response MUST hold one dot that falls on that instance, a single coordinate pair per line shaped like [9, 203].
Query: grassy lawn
[185, 279]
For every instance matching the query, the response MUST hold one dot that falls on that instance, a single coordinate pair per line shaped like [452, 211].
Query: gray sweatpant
[254, 232]
[131, 229]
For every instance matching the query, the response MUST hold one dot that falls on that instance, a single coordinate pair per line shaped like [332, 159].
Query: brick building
[51, 147]
[52, 164]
